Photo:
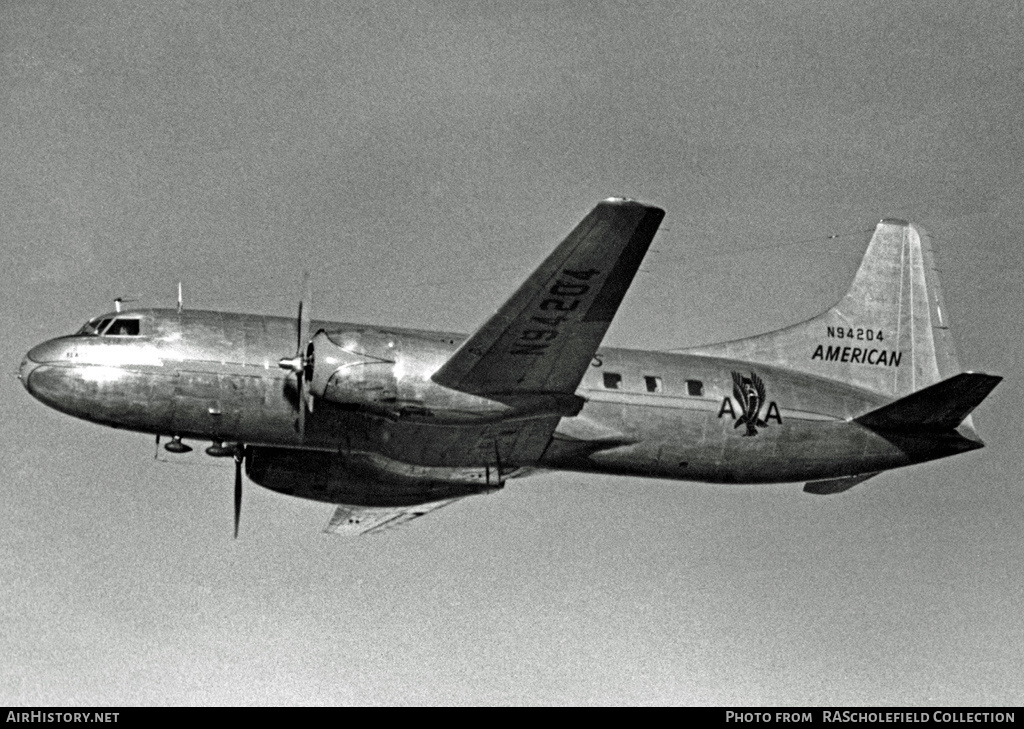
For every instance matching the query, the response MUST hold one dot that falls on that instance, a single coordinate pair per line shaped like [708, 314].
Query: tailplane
[889, 334]
[940, 407]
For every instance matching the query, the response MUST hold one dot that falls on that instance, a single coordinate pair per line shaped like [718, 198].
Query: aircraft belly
[674, 440]
[695, 450]
[148, 403]
[698, 445]
[653, 441]
[232, 407]
[806, 450]
[197, 406]
[265, 413]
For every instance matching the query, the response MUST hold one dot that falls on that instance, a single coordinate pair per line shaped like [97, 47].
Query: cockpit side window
[124, 328]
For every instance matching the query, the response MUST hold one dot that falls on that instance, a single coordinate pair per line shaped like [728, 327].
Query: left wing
[353, 521]
[541, 341]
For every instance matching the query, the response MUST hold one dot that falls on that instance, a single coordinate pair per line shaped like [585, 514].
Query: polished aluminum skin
[391, 423]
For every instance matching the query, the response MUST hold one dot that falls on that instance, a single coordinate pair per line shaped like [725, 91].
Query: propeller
[239, 458]
[301, 364]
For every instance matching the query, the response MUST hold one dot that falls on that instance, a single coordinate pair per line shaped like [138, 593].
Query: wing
[353, 521]
[543, 338]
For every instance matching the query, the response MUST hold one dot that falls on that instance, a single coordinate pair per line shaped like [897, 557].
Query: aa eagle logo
[750, 394]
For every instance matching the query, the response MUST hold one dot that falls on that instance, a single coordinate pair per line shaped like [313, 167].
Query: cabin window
[694, 388]
[653, 383]
[612, 380]
[124, 328]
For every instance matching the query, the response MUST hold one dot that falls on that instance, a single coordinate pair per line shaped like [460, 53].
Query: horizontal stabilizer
[940, 407]
[837, 485]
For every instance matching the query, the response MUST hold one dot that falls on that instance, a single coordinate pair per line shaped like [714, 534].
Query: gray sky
[421, 159]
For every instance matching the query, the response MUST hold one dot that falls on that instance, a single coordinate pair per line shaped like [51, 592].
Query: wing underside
[543, 338]
[531, 354]
[353, 521]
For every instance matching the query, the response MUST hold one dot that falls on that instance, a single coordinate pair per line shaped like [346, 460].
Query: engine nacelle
[348, 368]
[359, 479]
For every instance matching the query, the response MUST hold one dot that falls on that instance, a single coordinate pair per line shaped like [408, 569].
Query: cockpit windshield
[94, 326]
[111, 327]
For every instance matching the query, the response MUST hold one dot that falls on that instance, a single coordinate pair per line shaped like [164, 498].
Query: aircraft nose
[25, 369]
[39, 355]
[51, 351]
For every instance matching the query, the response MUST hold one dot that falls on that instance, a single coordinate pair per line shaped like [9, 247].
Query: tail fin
[889, 334]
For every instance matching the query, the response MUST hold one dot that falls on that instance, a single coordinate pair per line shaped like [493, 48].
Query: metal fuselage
[215, 376]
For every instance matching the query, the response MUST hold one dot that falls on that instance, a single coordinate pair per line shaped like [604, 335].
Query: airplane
[389, 424]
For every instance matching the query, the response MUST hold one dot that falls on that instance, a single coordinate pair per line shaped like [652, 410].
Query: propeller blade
[307, 293]
[238, 488]
[300, 348]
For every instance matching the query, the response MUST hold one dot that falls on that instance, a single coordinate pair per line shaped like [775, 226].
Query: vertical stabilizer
[889, 334]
